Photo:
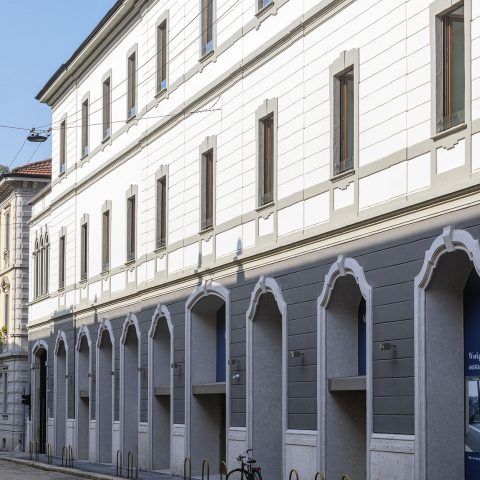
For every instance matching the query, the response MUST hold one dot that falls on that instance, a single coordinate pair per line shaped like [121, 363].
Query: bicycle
[247, 470]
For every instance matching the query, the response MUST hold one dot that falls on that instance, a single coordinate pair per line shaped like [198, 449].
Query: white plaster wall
[178, 449]
[143, 441]
[237, 444]
[301, 453]
[392, 457]
[92, 443]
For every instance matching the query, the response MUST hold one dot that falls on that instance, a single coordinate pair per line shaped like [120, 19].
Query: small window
[131, 228]
[7, 231]
[161, 212]
[207, 26]
[63, 142]
[132, 85]
[106, 108]
[6, 311]
[106, 241]
[266, 157]
[61, 262]
[345, 111]
[84, 252]
[453, 70]
[162, 56]
[263, 3]
[85, 126]
[207, 190]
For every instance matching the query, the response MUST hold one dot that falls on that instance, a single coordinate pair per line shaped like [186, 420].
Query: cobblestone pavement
[13, 471]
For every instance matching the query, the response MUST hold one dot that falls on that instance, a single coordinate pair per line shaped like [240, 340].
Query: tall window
[207, 190]
[161, 211]
[6, 309]
[266, 157]
[61, 262]
[5, 391]
[85, 124]
[162, 56]
[131, 228]
[452, 103]
[63, 143]
[36, 273]
[207, 26]
[106, 241]
[41, 263]
[345, 114]
[84, 251]
[132, 85]
[7, 231]
[106, 107]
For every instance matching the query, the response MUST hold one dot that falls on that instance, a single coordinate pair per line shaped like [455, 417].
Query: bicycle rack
[70, 457]
[64, 450]
[319, 476]
[119, 464]
[49, 454]
[131, 464]
[189, 462]
[223, 466]
[37, 451]
[207, 464]
[293, 472]
[30, 450]
[346, 477]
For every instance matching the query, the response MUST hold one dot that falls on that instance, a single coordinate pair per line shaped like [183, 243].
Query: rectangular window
[131, 228]
[61, 262]
[453, 70]
[161, 212]
[84, 252]
[132, 85]
[85, 124]
[263, 3]
[5, 392]
[162, 56]
[106, 241]
[106, 108]
[7, 231]
[207, 26]
[345, 111]
[6, 310]
[207, 190]
[63, 143]
[266, 150]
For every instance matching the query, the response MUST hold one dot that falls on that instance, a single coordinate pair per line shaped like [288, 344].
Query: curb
[63, 470]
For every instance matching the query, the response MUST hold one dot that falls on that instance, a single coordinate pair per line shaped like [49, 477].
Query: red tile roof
[42, 168]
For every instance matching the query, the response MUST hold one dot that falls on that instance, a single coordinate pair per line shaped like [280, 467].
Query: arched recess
[39, 393]
[60, 406]
[105, 366]
[344, 362]
[83, 362]
[442, 323]
[160, 388]
[267, 366]
[207, 383]
[130, 368]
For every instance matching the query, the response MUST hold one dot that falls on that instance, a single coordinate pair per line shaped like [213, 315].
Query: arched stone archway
[443, 322]
[267, 377]
[344, 371]
[61, 391]
[83, 392]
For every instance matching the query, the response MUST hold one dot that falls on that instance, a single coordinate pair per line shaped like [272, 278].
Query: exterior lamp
[387, 346]
[38, 136]
[296, 354]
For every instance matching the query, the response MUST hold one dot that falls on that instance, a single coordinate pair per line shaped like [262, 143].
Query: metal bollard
[119, 462]
[37, 451]
[319, 476]
[293, 472]
[207, 464]
[49, 454]
[185, 462]
[30, 450]
[223, 466]
[130, 462]
[70, 457]
[64, 452]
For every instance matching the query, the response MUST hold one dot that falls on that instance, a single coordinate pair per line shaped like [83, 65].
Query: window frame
[206, 52]
[208, 153]
[161, 208]
[132, 83]
[85, 130]
[63, 147]
[107, 111]
[261, 6]
[162, 84]
[106, 245]
[348, 63]
[84, 248]
[268, 111]
[131, 223]
[62, 259]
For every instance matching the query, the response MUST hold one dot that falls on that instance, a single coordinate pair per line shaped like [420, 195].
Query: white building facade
[258, 209]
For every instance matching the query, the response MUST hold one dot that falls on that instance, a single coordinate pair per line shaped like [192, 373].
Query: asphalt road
[13, 471]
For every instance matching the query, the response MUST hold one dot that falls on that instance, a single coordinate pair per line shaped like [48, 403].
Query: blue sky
[37, 37]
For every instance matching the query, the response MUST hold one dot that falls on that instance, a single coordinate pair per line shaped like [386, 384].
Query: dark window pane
[266, 160]
[161, 212]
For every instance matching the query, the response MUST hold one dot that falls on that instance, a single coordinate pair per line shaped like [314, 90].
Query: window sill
[131, 118]
[341, 176]
[161, 248]
[450, 131]
[106, 139]
[61, 174]
[205, 231]
[161, 93]
[260, 13]
[129, 263]
[83, 281]
[266, 206]
[84, 157]
[206, 56]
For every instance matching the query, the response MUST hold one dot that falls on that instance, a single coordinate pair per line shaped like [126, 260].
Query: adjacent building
[17, 188]
[263, 232]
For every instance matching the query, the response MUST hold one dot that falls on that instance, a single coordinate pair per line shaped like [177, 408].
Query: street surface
[13, 471]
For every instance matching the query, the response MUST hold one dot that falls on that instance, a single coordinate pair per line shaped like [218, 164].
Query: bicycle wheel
[239, 474]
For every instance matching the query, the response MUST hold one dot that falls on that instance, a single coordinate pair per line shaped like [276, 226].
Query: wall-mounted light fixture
[296, 354]
[236, 377]
[387, 346]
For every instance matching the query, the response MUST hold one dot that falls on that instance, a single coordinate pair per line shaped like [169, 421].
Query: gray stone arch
[39, 388]
[209, 296]
[160, 388]
[438, 299]
[346, 278]
[268, 310]
[105, 370]
[60, 403]
[83, 391]
[130, 370]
